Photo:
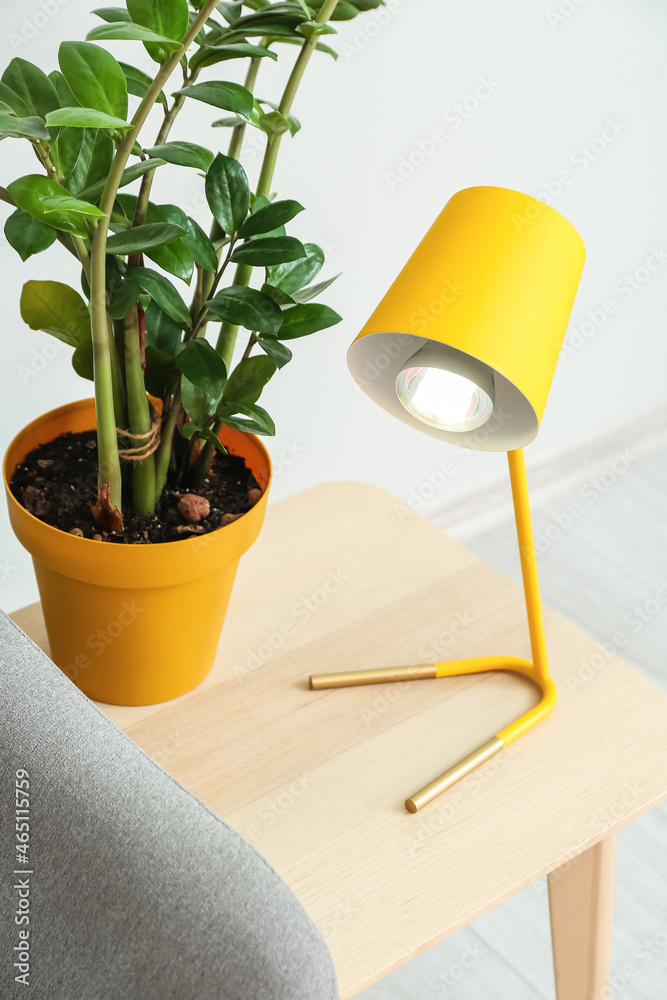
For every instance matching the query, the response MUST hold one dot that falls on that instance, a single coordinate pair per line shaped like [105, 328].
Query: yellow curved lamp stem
[536, 670]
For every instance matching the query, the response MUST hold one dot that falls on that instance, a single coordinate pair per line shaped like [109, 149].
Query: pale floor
[604, 572]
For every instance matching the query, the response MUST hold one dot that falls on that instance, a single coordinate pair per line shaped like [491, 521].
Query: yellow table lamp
[463, 347]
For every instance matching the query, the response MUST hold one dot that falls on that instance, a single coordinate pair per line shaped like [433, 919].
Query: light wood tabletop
[344, 576]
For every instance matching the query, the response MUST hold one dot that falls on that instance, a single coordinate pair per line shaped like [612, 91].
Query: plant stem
[163, 454]
[138, 412]
[109, 462]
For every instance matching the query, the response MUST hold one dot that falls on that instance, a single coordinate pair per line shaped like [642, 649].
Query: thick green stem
[139, 417]
[163, 454]
[109, 468]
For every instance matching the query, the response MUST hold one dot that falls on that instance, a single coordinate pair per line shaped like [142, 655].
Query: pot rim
[53, 545]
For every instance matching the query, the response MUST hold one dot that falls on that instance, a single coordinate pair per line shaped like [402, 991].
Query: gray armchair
[135, 891]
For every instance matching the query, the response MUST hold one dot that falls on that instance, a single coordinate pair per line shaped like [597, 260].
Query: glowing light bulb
[443, 399]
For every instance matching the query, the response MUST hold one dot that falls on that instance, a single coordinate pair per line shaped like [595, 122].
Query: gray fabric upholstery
[137, 891]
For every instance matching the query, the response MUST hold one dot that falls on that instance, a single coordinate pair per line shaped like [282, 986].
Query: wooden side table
[344, 576]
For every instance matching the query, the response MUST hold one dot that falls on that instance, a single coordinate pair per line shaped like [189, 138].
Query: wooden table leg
[581, 903]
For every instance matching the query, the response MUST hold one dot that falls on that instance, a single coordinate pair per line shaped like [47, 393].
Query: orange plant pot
[133, 624]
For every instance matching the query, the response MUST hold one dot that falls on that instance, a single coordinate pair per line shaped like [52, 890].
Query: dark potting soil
[58, 484]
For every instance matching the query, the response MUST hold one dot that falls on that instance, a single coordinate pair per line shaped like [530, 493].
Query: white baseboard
[472, 510]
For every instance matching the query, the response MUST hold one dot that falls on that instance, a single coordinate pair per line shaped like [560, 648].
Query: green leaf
[32, 86]
[228, 96]
[175, 258]
[294, 275]
[162, 291]
[246, 382]
[66, 98]
[95, 78]
[128, 32]
[320, 47]
[306, 294]
[22, 128]
[61, 202]
[246, 307]
[86, 118]
[266, 219]
[275, 350]
[185, 154]
[138, 82]
[27, 235]
[191, 430]
[209, 54]
[269, 251]
[344, 11]
[56, 309]
[10, 101]
[84, 164]
[227, 192]
[161, 330]
[112, 14]
[198, 405]
[203, 366]
[130, 174]
[169, 18]
[121, 294]
[82, 360]
[141, 239]
[274, 124]
[302, 320]
[256, 420]
[28, 193]
[159, 371]
[196, 241]
[279, 297]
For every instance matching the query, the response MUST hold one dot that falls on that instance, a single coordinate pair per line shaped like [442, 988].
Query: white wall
[550, 83]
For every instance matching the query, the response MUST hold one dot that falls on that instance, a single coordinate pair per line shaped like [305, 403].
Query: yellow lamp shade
[476, 317]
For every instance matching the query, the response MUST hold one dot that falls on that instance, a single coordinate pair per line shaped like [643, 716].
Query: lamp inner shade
[443, 399]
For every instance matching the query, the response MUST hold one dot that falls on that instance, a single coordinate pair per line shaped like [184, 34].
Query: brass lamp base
[536, 670]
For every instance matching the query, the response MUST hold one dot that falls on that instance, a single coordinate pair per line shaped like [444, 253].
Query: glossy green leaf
[209, 55]
[269, 251]
[306, 294]
[161, 330]
[169, 18]
[274, 124]
[174, 258]
[121, 293]
[266, 219]
[185, 154]
[246, 307]
[141, 239]
[196, 241]
[343, 11]
[255, 420]
[159, 371]
[28, 193]
[162, 291]
[85, 164]
[130, 174]
[62, 202]
[275, 350]
[94, 77]
[247, 380]
[203, 366]
[66, 98]
[198, 405]
[194, 430]
[230, 11]
[86, 118]
[32, 86]
[10, 100]
[112, 14]
[302, 320]
[228, 96]
[82, 360]
[27, 235]
[22, 128]
[294, 275]
[138, 82]
[228, 192]
[56, 309]
[277, 294]
[128, 32]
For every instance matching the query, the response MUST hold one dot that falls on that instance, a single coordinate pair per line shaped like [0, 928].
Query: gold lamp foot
[454, 774]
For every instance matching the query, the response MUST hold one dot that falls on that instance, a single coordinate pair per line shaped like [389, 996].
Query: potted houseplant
[137, 505]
